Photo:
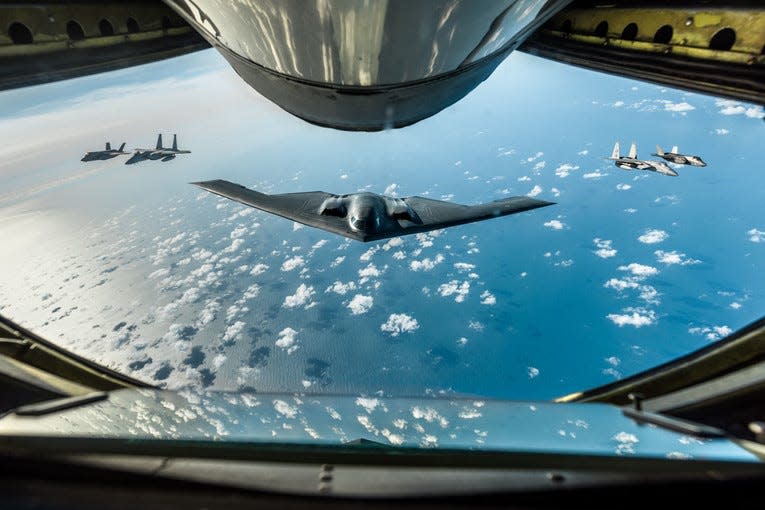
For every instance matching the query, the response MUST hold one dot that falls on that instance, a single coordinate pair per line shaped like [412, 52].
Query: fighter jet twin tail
[157, 153]
[631, 161]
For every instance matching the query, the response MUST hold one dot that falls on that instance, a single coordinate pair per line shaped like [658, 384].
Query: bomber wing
[300, 207]
[436, 214]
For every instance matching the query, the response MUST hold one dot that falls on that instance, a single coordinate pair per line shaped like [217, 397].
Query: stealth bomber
[107, 153]
[368, 216]
[631, 162]
[681, 159]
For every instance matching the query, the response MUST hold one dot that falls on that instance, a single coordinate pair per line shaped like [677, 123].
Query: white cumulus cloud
[536, 190]
[565, 169]
[756, 236]
[487, 298]
[300, 297]
[454, 287]
[605, 249]
[653, 236]
[399, 323]
[360, 304]
[287, 339]
[678, 107]
[293, 263]
[554, 224]
[426, 264]
[639, 269]
[638, 318]
[674, 257]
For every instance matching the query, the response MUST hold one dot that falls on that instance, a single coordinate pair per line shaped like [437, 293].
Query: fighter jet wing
[300, 207]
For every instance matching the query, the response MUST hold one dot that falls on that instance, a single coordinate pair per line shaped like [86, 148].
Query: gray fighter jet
[107, 153]
[159, 152]
[369, 216]
[680, 159]
[631, 162]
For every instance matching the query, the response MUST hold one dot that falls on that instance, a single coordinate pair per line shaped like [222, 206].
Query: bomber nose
[365, 221]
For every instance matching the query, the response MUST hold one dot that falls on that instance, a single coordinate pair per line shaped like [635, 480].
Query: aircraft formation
[157, 153]
[632, 162]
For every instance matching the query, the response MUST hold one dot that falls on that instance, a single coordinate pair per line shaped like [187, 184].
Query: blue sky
[136, 269]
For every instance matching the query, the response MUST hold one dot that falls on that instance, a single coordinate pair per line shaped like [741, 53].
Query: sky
[134, 268]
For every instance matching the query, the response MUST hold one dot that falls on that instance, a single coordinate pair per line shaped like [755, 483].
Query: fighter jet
[368, 216]
[159, 152]
[107, 153]
[680, 159]
[631, 162]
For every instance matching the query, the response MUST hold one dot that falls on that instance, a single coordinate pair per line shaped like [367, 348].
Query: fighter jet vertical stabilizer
[674, 156]
[107, 153]
[631, 162]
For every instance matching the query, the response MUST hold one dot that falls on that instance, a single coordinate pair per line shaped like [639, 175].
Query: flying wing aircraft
[680, 159]
[631, 162]
[159, 152]
[368, 216]
[107, 153]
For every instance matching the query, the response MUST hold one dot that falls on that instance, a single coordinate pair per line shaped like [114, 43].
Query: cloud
[360, 304]
[721, 131]
[367, 255]
[653, 236]
[258, 269]
[393, 243]
[623, 187]
[583, 152]
[756, 236]
[487, 298]
[730, 107]
[639, 269]
[524, 178]
[296, 226]
[536, 190]
[285, 409]
[620, 285]
[454, 287]
[370, 271]
[369, 404]
[426, 264]
[605, 250]
[234, 331]
[463, 266]
[532, 372]
[399, 255]
[638, 318]
[337, 261]
[678, 107]
[555, 192]
[341, 288]
[300, 297]
[554, 224]
[539, 166]
[391, 190]
[711, 333]
[565, 169]
[293, 263]
[594, 175]
[318, 244]
[674, 257]
[399, 323]
[287, 340]
[618, 104]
